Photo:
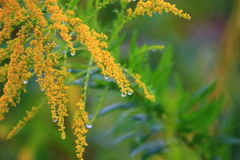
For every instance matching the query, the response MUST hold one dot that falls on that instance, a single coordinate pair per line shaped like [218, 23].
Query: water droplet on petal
[25, 81]
[189, 19]
[42, 89]
[130, 93]
[123, 94]
[63, 137]
[106, 77]
[72, 54]
[89, 125]
[55, 120]
[81, 42]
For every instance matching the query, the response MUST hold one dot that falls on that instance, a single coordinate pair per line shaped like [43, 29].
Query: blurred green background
[205, 49]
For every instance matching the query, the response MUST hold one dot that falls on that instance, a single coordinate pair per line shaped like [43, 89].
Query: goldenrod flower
[3, 72]
[155, 6]
[80, 120]
[34, 47]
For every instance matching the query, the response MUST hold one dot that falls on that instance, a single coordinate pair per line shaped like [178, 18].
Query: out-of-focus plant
[177, 125]
[38, 38]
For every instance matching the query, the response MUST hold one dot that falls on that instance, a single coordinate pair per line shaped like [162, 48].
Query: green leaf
[178, 86]
[146, 136]
[225, 139]
[113, 107]
[152, 151]
[147, 146]
[166, 59]
[137, 59]
[161, 76]
[73, 4]
[204, 91]
[133, 42]
[116, 42]
[123, 137]
[123, 124]
[204, 116]
[139, 117]
[198, 96]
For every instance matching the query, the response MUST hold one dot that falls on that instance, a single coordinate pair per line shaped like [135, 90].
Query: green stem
[69, 5]
[80, 74]
[115, 34]
[98, 107]
[86, 81]
[98, 8]
[122, 20]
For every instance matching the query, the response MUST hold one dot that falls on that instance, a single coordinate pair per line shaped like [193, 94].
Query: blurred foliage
[188, 119]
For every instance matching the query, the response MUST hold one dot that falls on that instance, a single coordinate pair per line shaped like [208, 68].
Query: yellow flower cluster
[3, 72]
[4, 52]
[102, 57]
[22, 57]
[137, 78]
[33, 50]
[9, 9]
[17, 72]
[56, 90]
[60, 21]
[21, 124]
[80, 119]
[154, 6]
[38, 50]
